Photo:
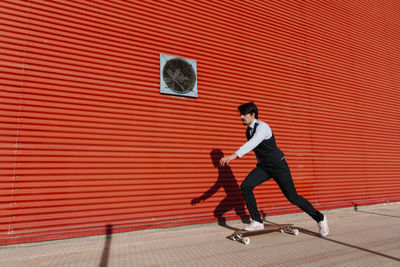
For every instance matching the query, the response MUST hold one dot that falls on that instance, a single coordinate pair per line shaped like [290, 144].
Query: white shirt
[263, 132]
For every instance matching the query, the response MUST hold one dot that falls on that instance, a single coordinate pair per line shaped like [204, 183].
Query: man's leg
[282, 176]
[254, 178]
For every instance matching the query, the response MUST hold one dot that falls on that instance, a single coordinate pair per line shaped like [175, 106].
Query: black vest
[267, 152]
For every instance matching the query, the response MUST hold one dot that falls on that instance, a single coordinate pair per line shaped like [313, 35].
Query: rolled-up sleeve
[263, 131]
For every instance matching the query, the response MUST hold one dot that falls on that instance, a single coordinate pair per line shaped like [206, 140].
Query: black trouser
[281, 174]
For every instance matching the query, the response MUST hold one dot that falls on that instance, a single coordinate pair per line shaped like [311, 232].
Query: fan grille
[179, 76]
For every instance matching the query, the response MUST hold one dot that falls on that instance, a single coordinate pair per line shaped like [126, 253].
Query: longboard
[244, 236]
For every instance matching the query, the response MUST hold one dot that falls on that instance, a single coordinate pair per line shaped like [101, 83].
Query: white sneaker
[323, 227]
[254, 226]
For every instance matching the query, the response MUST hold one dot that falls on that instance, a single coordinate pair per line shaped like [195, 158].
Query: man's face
[247, 119]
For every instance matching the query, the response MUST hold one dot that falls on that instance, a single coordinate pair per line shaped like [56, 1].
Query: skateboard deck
[243, 236]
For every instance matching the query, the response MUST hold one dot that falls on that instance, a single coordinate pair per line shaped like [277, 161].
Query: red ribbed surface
[88, 141]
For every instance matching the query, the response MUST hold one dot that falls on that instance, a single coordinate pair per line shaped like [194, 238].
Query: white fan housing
[178, 76]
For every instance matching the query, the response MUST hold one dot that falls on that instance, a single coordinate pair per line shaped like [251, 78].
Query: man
[271, 164]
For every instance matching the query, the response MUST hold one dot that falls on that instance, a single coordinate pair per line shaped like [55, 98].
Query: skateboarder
[271, 164]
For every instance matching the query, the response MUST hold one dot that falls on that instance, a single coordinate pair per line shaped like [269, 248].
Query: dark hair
[248, 108]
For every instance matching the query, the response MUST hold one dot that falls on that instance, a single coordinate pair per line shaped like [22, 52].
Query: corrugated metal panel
[89, 141]
[353, 79]
[13, 35]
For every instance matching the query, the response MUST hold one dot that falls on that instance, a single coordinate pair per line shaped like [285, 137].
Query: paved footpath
[367, 237]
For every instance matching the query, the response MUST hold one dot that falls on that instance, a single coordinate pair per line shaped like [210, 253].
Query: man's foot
[254, 226]
[323, 227]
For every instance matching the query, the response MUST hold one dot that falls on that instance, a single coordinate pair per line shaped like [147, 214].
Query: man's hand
[225, 160]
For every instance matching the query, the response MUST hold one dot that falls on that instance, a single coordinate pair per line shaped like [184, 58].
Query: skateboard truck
[289, 230]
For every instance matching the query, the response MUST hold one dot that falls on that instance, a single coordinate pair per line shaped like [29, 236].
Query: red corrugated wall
[87, 140]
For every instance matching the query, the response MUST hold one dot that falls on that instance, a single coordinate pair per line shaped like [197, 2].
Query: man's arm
[263, 131]
[225, 160]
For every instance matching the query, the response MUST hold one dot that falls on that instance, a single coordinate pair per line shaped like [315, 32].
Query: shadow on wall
[226, 180]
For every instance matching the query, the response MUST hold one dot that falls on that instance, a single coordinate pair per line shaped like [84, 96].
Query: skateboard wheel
[295, 232]
[282, 231]
[246, 240]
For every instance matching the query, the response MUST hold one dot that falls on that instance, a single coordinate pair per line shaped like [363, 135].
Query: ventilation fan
[178, 76]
